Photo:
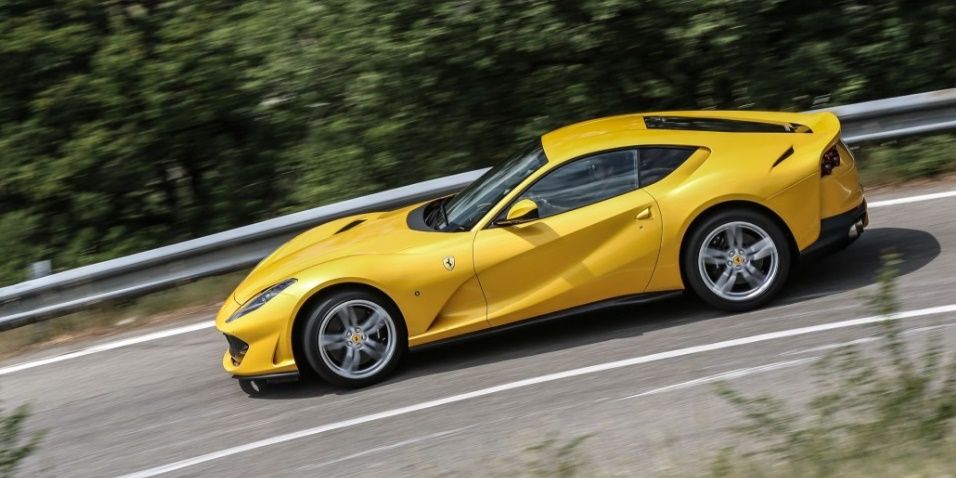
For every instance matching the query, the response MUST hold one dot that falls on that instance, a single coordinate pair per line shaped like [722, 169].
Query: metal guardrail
[897, 117]
[136, 274]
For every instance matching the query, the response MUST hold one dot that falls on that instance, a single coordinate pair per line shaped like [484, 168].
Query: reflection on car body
[720, 203]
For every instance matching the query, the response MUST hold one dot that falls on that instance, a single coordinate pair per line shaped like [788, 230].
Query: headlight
[260, 299]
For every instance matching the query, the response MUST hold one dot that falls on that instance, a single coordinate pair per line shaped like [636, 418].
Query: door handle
[645, 213]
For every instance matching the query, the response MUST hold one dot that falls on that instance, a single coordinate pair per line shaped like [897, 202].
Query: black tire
[323, 362]
[717, 224]
[252, 387]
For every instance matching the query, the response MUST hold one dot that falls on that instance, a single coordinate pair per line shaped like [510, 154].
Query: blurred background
[126, 125]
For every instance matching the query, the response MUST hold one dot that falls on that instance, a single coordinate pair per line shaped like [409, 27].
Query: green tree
[128, 124]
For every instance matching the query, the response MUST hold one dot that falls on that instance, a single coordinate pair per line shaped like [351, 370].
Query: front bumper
[258, 343]
[237, 350]
[272, 377]
[837, 232]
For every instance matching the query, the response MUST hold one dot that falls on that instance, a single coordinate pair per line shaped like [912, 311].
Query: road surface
[638, 380]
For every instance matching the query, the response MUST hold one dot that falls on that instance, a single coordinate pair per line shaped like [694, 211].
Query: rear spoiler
[825, 124]
[822, 122]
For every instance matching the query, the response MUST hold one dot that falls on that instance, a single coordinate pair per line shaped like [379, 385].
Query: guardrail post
[40, 269]
[37, 270]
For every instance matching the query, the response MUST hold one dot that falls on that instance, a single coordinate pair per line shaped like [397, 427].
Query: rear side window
[655, 163]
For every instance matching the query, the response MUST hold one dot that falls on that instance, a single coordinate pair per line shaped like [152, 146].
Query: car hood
[361, 234]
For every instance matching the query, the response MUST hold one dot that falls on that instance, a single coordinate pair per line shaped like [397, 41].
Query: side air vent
[720, 125]
[350, 226]
[786, 154]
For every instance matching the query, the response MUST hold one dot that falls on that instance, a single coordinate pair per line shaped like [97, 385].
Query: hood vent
[349, 226]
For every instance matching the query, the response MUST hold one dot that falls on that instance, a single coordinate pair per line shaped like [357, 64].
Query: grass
[906, 159]
[200, 297]
[15, 445]
[557, 459]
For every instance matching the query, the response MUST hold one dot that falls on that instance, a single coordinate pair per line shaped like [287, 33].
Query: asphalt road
[638, 380]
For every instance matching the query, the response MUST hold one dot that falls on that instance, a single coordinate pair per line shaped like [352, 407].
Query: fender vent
[350, 226]
[786, 154]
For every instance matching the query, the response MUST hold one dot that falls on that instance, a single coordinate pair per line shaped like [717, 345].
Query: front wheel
[737, 260]
[354, 338]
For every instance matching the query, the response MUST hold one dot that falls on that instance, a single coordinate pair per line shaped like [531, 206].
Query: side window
[585, 181]
[658, 162]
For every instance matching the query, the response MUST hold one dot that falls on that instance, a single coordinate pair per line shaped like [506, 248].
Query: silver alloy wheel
[356, 338]
[738, 261]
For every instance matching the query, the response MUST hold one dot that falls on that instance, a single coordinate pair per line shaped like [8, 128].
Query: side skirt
[582, 309]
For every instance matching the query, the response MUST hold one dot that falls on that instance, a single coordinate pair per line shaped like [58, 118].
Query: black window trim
[510, 202]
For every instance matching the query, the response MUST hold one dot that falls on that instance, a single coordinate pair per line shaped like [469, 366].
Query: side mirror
[522, 211]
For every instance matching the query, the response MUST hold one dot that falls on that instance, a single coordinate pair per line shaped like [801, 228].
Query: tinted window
[655, 163]
[584, 181]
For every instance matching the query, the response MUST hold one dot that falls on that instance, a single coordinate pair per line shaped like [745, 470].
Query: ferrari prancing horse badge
[448, 262]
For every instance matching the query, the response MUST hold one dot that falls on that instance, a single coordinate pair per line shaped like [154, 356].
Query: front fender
[434, 301]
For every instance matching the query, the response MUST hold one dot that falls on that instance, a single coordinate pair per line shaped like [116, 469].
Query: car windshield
[466, 208]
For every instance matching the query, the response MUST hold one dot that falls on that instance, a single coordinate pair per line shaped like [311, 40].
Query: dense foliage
[128, 124]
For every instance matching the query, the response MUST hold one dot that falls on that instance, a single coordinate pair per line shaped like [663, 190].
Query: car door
[597, 237]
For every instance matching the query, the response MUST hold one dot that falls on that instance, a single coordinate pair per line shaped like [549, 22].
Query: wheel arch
[726, 206]
[319, 294]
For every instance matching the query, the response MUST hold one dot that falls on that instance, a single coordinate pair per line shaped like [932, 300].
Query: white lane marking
[410, 441]
[108, 346]
[909, 199]
[739, 373]
[864, 340]
[919, 330]
[159, 470]
[744, 372]
[832, 346]
[159, 335]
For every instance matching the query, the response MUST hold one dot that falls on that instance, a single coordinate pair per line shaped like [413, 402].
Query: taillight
[830, 160]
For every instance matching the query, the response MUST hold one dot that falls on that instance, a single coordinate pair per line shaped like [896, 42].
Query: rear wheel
[354, 338]
[737, 260]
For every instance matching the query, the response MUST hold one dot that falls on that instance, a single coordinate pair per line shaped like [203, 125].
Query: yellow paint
[624, 245]
[521, 210]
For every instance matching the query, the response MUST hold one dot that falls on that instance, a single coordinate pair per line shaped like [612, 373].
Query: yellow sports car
[608, 211]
